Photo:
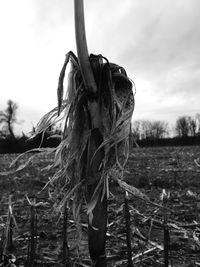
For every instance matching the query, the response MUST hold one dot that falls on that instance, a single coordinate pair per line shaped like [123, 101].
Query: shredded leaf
[115, 102]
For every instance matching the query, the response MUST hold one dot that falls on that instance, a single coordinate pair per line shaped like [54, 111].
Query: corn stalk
[8, 236]
[97, 231]
[33, 234]
[65, 237]
[166, 237]
[82, 49]
[128, 229]
[97, 110]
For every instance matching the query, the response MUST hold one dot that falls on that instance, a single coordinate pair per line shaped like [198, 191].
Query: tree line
[185, 126]
[158, 133]
[145, 132]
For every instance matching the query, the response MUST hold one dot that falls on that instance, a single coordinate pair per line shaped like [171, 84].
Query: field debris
[146, 219]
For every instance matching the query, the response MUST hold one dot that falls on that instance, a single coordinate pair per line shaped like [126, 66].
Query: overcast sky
[156, 41]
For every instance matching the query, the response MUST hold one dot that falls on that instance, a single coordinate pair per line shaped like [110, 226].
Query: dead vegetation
[36, 231]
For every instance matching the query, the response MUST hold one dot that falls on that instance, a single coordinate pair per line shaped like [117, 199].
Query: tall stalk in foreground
[96, 231]
[95, 146]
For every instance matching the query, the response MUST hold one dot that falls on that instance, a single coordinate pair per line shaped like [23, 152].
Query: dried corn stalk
[116, 104]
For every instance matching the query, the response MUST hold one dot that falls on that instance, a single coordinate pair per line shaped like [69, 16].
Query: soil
[169, 176]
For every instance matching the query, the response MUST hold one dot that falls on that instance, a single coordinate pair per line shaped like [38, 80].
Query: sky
[156, 41]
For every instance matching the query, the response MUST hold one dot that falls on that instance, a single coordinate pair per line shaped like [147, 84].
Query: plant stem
[31, 255]
[8, 245]
[165, 197]
[65, 239]
[166, 243]
[128, 230]
[10, 236]
[82, 50]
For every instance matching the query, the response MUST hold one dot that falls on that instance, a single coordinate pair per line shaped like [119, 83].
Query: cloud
[162, 55]
[156, 41]
[167, 36]
[51, 13]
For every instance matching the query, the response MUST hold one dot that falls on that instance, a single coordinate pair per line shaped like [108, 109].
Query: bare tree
[182, 126]
[136, 129]
[192, 126]
[159, 129]
[8, 118]
[197, 117]
[145, 129]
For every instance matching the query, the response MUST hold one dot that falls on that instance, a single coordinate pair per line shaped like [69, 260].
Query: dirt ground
[149, 169]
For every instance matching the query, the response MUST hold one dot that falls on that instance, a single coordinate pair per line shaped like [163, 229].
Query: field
[151, 170]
